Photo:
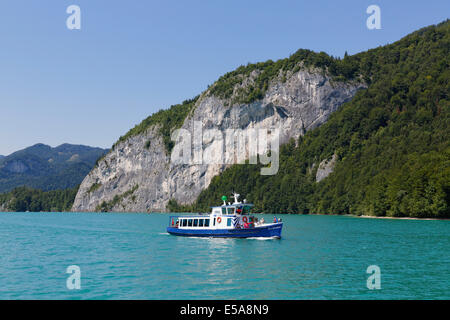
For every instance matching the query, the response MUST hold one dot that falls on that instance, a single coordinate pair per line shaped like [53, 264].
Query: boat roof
[234, 205]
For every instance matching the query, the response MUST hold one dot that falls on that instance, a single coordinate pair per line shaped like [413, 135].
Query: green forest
[24, 199]
[391, 142]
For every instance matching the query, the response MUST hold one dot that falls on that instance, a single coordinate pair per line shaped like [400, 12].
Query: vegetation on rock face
[106, 206]
[24, 199]
[167, 120]
[95, 186]
[173, 118]
[265, 72]
[391, 140]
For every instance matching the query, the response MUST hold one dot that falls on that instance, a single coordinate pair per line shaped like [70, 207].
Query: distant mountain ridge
[43, 167]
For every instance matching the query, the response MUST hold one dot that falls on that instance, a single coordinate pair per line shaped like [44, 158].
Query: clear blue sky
[132, 58]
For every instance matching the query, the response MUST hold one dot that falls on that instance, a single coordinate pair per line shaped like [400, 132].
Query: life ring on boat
[219, 220]
[244, 219]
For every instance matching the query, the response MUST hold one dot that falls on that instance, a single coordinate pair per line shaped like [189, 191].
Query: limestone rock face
[138, 175]
[325, 168]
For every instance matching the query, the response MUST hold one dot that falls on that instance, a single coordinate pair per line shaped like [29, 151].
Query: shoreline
[257, 213]
[398, 218]
[356, 216]
[378, 217]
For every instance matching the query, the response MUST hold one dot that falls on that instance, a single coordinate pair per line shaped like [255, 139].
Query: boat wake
[263, 238]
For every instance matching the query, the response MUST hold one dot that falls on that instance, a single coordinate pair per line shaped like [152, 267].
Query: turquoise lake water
[130, 256]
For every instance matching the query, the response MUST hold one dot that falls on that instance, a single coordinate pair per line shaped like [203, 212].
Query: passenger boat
[225, 221]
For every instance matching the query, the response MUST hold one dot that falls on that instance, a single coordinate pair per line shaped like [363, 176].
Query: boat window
[216, 210]
[224, 210]
[184, 221]
[200, 222]
[189, 222]
[246, 209]
[230, 210]
[195, 222]
[229, 221]
[206, 222]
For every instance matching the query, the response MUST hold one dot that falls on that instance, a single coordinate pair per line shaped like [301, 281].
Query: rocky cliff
[137, 175]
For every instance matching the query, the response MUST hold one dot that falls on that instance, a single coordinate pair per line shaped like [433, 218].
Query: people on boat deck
[275, 219]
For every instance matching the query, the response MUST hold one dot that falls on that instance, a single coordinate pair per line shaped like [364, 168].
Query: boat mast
[236, 198]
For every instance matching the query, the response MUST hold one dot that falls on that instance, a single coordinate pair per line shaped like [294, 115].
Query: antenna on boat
[224, 199]
[236, 197]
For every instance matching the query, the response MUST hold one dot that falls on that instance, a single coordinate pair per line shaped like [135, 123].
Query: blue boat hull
[269, 231]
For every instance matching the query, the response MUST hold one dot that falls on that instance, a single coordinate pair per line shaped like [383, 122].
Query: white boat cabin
[227, 216]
